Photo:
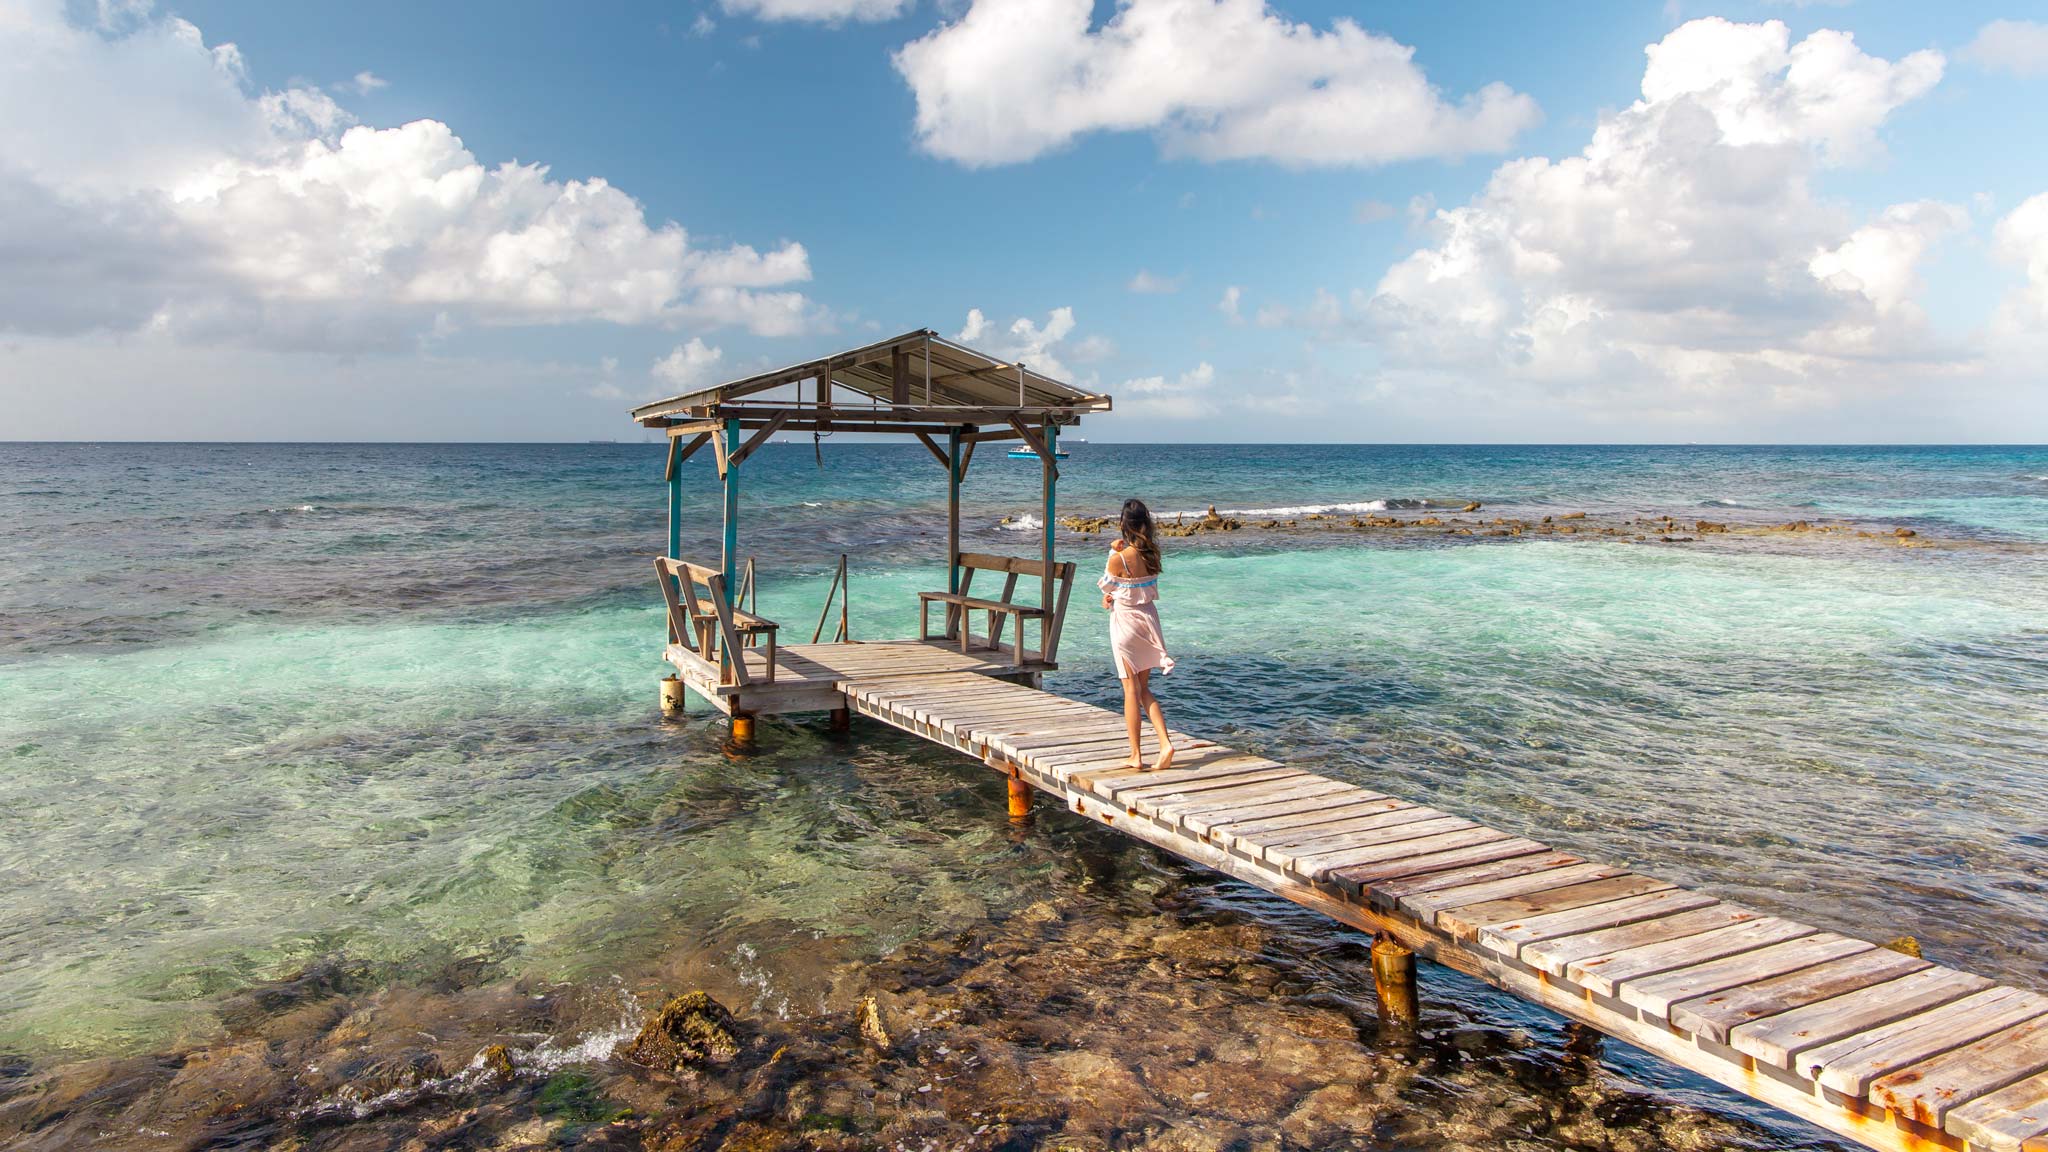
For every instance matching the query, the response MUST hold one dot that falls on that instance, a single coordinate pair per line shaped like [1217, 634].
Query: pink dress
[1134, 634]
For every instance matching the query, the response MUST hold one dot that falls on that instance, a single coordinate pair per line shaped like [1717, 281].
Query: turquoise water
[266, 706]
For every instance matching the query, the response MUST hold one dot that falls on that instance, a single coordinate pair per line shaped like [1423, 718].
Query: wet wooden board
[1852, 1064]
[1861, 1040]
[1717, 1014]
[1776, 1039]
[1465, 920]
[1603, 973]
[1555, 955]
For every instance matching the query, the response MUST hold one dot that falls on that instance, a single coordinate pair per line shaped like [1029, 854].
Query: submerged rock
[872, 1029]
[689, 1030]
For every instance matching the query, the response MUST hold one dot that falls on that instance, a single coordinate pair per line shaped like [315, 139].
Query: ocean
[390, 711]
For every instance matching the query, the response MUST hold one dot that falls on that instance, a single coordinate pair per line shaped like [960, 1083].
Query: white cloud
[1372, 211]
[1214, 79]
[703, 25]
[2021, 239]
[2016, 46]
[689, 366]
[1880, 261]
[1232, 297]
[818, 11]
[146, 188]
[1682, 254]
[1036, 346]
[1150, 284]
[367, 82]
[1187, 397]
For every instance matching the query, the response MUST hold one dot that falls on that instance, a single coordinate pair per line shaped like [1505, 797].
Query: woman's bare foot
[1165, 760]
[1135, 764]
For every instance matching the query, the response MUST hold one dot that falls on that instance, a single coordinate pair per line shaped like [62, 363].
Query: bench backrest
[1057, 577]
[695, 619]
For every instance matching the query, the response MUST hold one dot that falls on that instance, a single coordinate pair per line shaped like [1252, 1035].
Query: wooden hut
[948, 397]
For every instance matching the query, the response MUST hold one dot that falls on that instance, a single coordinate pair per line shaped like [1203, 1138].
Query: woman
[1130, 591]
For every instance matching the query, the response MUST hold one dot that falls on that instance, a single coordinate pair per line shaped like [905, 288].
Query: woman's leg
[1158, 724]
[1134, 704]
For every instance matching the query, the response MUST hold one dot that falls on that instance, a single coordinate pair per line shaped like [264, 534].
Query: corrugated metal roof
[938, 374]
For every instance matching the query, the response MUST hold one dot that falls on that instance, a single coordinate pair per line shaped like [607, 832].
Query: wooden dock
[1881, 1047]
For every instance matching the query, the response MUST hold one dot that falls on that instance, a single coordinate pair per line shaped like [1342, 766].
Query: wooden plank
[1850, 1065]
[1602, 973]
[1654, 995]
[1928, 1090]
[1509, 939]
[2004, 1118]
[1309, 788]
[1305, 814]
[1150, 799]
[1775, 1040]
[1715, 1016]
[1552, 956]
[1361, 829]
[1465, 921]
[1356, 878]
[1319, 865]
[1525, 880]
[1107, 783]
[1389, 894]
[1419, 824]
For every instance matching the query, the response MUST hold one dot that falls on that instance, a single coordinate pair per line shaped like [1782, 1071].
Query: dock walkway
[1884, 1048]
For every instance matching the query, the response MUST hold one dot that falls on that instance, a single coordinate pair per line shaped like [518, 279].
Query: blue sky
[1381, 290]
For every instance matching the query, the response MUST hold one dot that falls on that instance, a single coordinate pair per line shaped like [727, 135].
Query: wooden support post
[1020, 801]
[1048, 481]
[675, 533]
[1393, 979]
[743, 730]
[842, 719]
[729, 559]
[953, 476]
[672, 699]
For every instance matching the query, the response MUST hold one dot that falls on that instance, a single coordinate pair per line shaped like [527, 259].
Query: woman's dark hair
[1135, 522]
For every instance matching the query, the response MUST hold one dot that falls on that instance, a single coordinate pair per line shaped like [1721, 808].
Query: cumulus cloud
[1683, 254]
[1189, 396]
[818, 11]
[2021, 239]
[689, 366]
[1039, 347]
[2016, 46]
[146, 187]
[1151, 284]
[1009, 80]
[367, 82]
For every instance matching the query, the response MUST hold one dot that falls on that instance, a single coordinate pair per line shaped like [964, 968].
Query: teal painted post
[953, 511]
[1051, 473]
[731, 559]
[675, 514]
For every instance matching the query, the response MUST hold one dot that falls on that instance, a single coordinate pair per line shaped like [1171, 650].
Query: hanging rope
[817, 447]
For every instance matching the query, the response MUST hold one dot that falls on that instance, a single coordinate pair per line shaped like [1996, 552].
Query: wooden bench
[718, 633]
[1002, 610]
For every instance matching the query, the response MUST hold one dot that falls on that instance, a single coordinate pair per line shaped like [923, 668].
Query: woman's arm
[1115, 569]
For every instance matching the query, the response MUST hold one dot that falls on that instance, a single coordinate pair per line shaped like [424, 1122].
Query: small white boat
[1032, 453]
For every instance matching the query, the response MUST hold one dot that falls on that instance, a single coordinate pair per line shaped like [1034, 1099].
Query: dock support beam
[672, 698]
[953, 477]
[842, 719]
[1393, 979]
[1020, 801]
[729, 561]
[1049, 480]
[743, 730]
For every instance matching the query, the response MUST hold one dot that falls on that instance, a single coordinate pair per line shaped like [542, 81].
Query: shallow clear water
[263, 706]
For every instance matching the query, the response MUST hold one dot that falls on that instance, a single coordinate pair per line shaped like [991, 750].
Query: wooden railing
[707, 622]
[1003, 609]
